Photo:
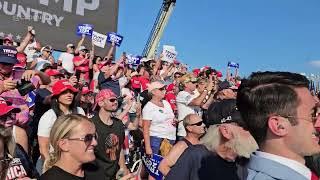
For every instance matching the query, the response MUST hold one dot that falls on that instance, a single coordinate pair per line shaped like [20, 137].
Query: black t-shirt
[110, 142]
[20, 166]
[198, 163]
[56, 173]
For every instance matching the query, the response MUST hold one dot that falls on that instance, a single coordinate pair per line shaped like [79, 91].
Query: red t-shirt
[135, 82]
[171, 98]
[84, 67]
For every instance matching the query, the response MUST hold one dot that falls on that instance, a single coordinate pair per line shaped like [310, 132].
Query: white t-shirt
[183, 100]
[47, 120]
[31, 51]
[161, 120]
[67, 61]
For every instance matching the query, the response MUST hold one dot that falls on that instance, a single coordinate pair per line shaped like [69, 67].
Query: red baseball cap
[61, 86]
[5, 109]
[8, 38]
[85, 90]
[196, 72]
[219, 74]
[22, 61]
[53, 72]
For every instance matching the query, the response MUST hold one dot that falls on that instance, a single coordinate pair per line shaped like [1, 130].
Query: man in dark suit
[280, 113]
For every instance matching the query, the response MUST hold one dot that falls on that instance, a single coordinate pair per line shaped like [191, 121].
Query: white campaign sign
[99, 39]
[169, 55]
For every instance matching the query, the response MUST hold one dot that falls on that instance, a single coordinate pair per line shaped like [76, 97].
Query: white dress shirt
[295, 165]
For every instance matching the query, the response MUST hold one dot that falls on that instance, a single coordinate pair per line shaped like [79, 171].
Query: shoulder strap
[187, 142]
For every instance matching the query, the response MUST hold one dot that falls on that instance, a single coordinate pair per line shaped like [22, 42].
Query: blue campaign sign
[86, 29]
[31, 97]
[233, 64]
[113, 37]
[133, 60]
[152, 165]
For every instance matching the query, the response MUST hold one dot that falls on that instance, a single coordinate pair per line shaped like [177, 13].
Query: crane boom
[158, 28]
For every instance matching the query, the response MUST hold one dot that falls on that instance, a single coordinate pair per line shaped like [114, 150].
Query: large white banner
[55, 20]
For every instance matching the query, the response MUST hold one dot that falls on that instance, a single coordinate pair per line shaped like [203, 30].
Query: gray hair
[212, 139]
[187, 120]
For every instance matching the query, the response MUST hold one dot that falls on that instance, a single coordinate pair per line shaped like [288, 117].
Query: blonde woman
[73, 138]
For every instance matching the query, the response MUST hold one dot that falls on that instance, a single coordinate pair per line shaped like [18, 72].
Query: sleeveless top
[187, 142]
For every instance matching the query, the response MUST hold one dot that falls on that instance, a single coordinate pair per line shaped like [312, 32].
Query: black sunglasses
[196, 124]
[87, 139]
[113, 100]
[162, 89]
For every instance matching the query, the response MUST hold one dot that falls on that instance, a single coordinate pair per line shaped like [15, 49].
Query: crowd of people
[83, 116]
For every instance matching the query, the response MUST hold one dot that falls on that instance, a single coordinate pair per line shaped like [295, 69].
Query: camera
[24, 87]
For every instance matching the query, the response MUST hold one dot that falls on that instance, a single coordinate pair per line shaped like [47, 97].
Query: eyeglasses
[196, 124]
[312, 119]
[162, 89]
[112, 100]
[87, 139]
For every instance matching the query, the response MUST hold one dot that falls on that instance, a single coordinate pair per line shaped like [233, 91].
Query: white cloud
[315, 63]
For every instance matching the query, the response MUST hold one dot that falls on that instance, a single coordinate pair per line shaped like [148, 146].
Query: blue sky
[259, 34]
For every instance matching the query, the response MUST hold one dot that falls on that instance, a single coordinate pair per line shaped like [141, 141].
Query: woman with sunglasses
[73, 138]
[62, 103]
[158, 120]
[45, 58]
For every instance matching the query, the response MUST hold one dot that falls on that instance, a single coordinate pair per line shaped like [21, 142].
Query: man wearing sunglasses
[195, 129]
[188, 102]
[215, 156]
[110, 130]
[281, 115]
[45, 58]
